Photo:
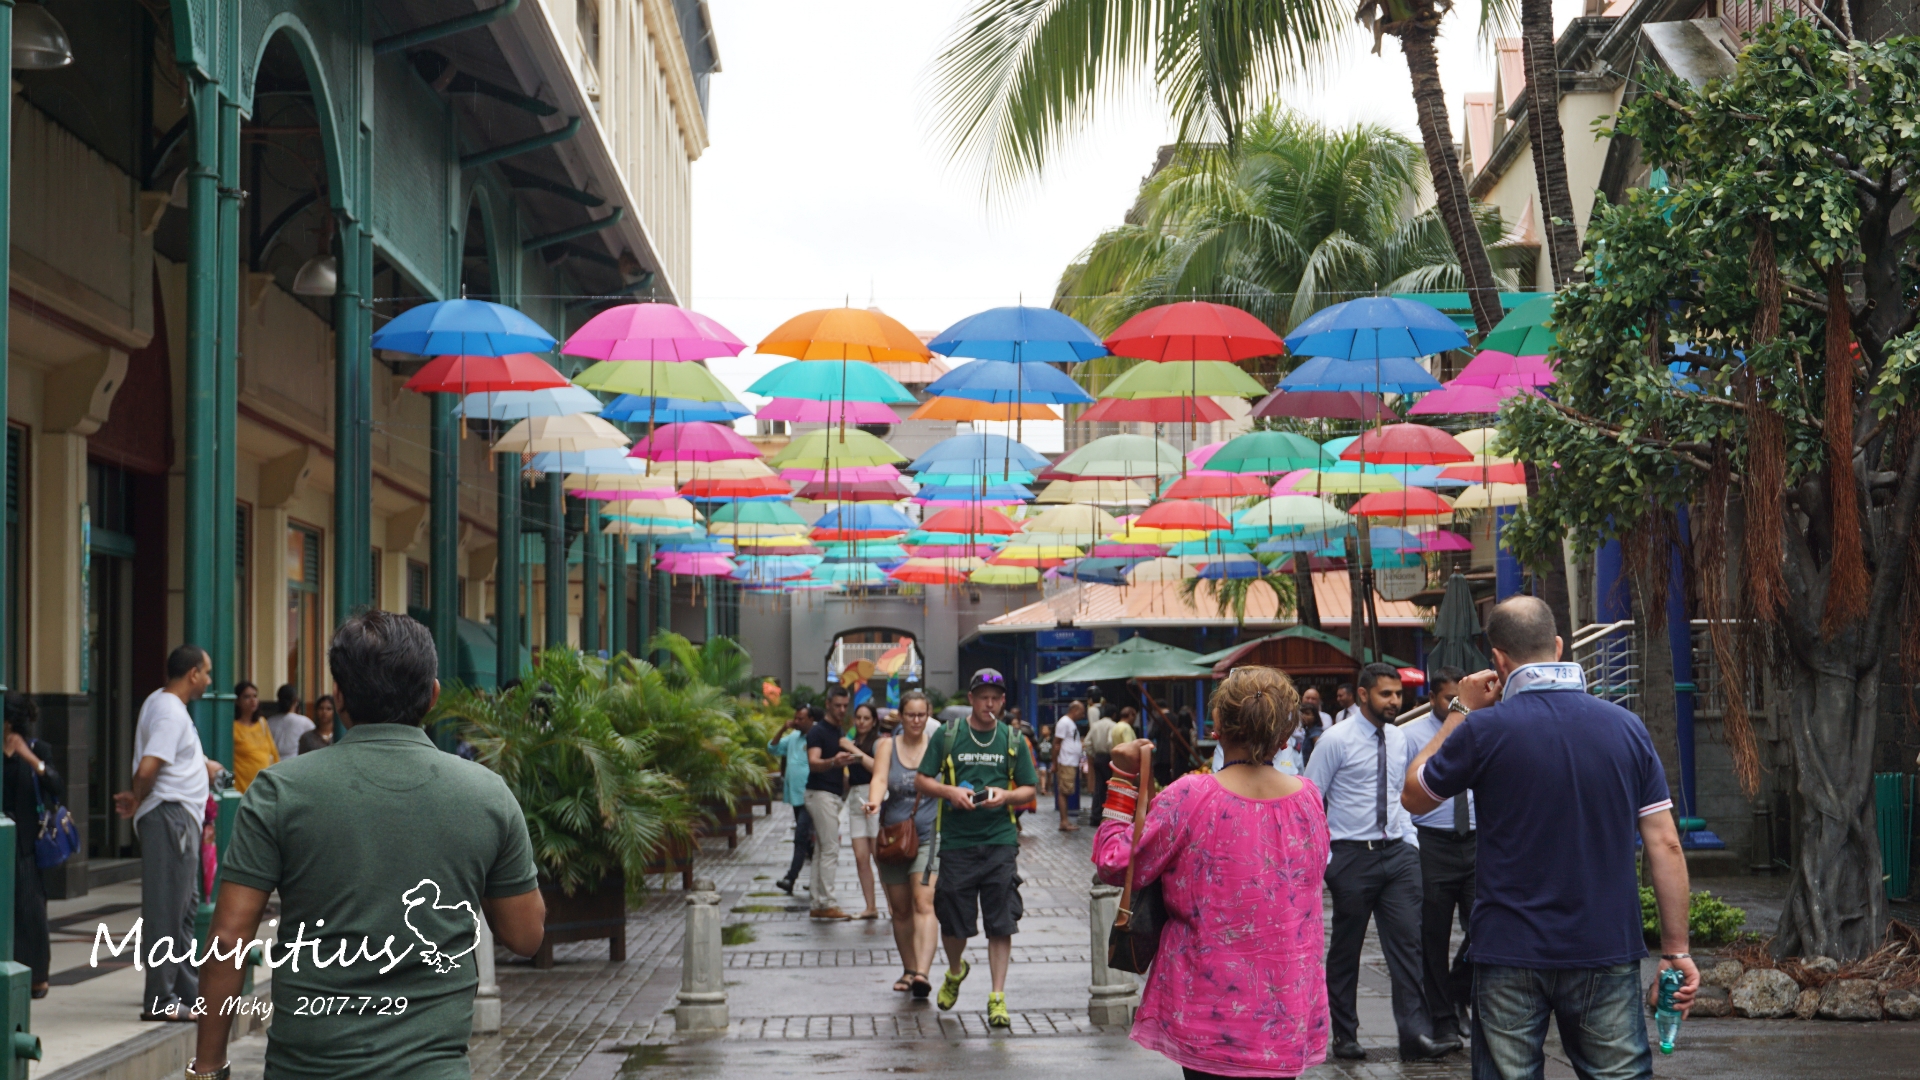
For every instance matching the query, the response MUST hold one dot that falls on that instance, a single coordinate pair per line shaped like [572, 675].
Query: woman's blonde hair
[1256, 707]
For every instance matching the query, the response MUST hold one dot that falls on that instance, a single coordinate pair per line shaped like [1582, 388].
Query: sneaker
[997, 1011]
[950, 986]
[830, 914]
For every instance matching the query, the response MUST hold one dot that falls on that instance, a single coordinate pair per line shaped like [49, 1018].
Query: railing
[1741, 17]
[1608, 654]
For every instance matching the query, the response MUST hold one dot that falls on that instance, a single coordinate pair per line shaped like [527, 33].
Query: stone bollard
[702, 1008]
[1113, 995]
[486, 1002]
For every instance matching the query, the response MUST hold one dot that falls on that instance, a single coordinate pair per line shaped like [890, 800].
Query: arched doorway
[883, 661]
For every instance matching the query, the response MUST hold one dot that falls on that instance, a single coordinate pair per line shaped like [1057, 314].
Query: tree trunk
[1836, 903]
[1658, 710]
[1549, 148]
[1553, 577]
[1356, 579]
[1449, 187]
[1305, 602]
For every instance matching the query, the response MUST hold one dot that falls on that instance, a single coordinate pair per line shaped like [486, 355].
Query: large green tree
[1780, 251]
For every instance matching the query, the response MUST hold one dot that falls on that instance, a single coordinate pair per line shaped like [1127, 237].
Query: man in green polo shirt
[983, 769]
[385, 853]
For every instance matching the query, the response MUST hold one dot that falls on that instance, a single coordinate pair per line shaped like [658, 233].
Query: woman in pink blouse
[1238, 987]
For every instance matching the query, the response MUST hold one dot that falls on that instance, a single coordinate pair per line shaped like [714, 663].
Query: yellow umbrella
[1479, 442]
[573, 432]
[1005, 575]
[619, 527]
[1488, 496]
[1146, 534]
[771, 540]
[1345, 483]
[1097, 492]
[666, 510]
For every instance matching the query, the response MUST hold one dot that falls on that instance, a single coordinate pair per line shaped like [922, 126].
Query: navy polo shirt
[1560, 780]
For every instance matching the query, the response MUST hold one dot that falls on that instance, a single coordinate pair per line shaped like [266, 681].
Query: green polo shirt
[384, 846]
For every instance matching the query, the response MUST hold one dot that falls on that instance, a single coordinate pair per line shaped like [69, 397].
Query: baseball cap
[988, 677]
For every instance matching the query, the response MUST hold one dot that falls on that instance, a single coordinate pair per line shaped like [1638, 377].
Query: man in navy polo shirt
[1562, 783]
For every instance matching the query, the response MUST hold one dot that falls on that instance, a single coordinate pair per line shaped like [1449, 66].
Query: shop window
[418, 594]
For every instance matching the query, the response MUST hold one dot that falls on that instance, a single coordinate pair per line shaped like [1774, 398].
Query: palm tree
[1232, 593]
[1549, 145]
[719, 662]
[1019, 75]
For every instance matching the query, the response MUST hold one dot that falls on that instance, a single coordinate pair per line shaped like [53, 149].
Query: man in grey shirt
[1097, 746]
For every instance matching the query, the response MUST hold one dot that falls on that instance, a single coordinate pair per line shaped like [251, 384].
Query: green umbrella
[1525, 331]
[1455, 627]
[1134, 658]
[1270, 452]
[1184, 378]
[1118, 457]
[655, 378]
[748, 517]
[835, 448]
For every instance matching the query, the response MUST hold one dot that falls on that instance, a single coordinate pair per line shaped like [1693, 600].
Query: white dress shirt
[1345, 714]
[1421, 732]
[1345, 767]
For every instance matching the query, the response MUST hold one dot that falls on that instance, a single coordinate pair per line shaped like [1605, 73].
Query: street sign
[1400, 582]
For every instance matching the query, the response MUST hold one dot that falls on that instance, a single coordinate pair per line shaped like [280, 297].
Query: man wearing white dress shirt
[1374, 870]
[1447, 840]
[1344, 705]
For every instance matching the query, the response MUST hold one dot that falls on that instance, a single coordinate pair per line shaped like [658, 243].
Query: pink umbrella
[693, 442]
[1442, 540]
[697, 564]
[1458, 398]
[803, 411]
[952, 551]
[635, 493]
[1284, 485]
[652, 332]
[1199, 455]
[1500, 369]
[851, 474]
[1127, 551]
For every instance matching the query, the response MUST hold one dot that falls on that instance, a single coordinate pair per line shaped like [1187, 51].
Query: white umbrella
[573, 432]
[522, 404]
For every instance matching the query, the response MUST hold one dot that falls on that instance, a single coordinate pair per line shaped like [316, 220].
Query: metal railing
[1609, 655]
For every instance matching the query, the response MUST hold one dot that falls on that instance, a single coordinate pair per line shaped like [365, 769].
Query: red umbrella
[485, 375]
[1215, 485]
[1406, 444]
[1166, 410]
[742, 488]
[856, 491]
[1511, 472]
[1321, 404]
[1182, 515]
[1194, 330]
[1408, 503]
[972, 520]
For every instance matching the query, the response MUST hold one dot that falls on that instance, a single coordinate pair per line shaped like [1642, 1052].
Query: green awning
[1134, 658]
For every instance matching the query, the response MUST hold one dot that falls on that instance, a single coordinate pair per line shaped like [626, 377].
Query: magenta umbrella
[652, 332]
[1127, 551]
[852, 474]
[1442, 540]
[696, 564]
[953, 551]
[698, 441]
[1459, 399]
[635, 493]
[1498, 369]
[804, 411]
[1321, 404]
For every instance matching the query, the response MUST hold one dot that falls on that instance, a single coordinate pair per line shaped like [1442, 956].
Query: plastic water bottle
[1666, 1016]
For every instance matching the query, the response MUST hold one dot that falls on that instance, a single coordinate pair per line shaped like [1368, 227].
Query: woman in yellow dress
[253, 747]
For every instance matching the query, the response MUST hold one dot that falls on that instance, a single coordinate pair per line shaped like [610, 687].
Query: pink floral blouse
[1238, 987]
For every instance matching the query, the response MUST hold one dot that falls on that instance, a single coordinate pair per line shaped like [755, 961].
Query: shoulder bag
[1135, 937]
[58, 838]
[899, 843]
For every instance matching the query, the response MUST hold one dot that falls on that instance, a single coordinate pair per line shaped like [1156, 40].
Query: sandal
[922, 989]
[904, 983]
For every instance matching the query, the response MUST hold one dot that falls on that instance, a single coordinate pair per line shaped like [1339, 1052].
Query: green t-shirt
[986, 766]
[385, 844]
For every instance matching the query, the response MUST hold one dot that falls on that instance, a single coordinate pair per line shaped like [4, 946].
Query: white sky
[825, 183]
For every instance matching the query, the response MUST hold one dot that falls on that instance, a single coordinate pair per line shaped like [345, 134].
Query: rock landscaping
[1750, 983]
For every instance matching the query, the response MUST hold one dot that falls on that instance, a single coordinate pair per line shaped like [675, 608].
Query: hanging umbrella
[966, 409]
[581, 431]
[694, 442]
[971, 522]
[1192, 378]
[766, 571]
[807, 411]
[1004, 575]
[921, 571]
[1375, 328]
[1161, 569]
[1182, 515]
[1443, 540]
[1406, 444]
[1036, 555]
[1460, 399]
[608, 459]
[1199, 551]
[773, 546]
[1489, 496]
[522, 404]
[730, 488]
[1018, 383]
[951, 551]
[844, 333]
[831, 380]
[840, 474]
[1232, 568]
[672, 510]
[668, 410]
[1499, 370]
[1527, 330]
[857, 575]
[876, 551]
[1194, 330]
[1110, 550]
[836, 450]
[1019, 335]
[1325, 482]
[1267, 453]
[1481, 442]
[1405, 504]
[696, 565]
[863, 521]
[1099, 571]
[755, 519]
[681, 472]
[1455, 626]
[616, 486]
[1321, 404]
[1291, 514]
[485, 374]
[1499, 472]
[462, 328]
[1200, 455]
[864, 491]
[1386, 375]
[1121, 457]
[660, 332]
[1155, 410]
[655, 379]
[978, 454]
[1089, 522]
[1096, 492]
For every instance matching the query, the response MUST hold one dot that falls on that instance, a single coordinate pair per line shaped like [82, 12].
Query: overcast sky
[824, 182]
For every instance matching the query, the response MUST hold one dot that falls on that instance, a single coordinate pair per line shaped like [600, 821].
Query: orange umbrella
[958, 408]
[845, 334]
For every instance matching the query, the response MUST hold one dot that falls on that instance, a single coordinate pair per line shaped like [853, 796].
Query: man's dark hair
[1522, 627]
[383, 665]
[285, 699]
[1447, 674]
[815, 713]
[183, 660]
[834, 692]
[1347, 686]
[22, 713]
[1376, 671]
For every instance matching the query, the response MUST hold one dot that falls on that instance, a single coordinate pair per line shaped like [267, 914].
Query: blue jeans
[1603, 1025]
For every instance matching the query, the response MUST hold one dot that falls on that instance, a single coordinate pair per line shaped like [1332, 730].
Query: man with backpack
[982, 769]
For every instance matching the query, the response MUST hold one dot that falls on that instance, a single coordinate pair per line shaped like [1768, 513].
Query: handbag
[1135, 937]
[899, 843]
[59, 837]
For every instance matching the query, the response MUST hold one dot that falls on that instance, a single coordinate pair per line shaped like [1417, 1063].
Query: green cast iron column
[617, 602]
[663, 614]
[226, 652]
[199, 572]
[506, 569]
[353, 477]
[556, 562]
[445, 536]
[590, 578]
[643, 601]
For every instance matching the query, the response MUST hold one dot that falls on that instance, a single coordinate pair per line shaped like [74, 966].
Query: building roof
[1091, 606]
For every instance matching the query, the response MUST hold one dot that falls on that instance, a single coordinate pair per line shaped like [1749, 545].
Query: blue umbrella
[666, 410]
[980, 447]
[771, 569]
[1203, 548]
[972, 472]
[1387, 375]
[1311, 543]
[863, 550]
[971, 493]
[611, 459]
[1019, 335]
[1234, 569]
[1099, 571]
[866, 517]
[1375, 328]
[697, 546]
[522, 404]
[1003, 383]
[462, 328]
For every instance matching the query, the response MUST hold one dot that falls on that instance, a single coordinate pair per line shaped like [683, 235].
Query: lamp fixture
[318, 276]
[39, 41]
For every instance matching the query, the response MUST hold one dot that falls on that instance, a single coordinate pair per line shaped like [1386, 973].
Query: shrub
[1710, 920]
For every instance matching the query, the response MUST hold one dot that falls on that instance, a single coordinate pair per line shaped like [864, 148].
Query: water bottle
[1666, 1016]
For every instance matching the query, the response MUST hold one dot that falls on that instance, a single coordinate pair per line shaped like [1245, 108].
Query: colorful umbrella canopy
[667, 510]
[970, 522]
[863, 521]
[1375, 328]
[609, 459]
[462, 328]
[959, 408]
[1200, 455]
[1128, 551]
[1482, 471]
[1161, 569]
[951, 551]
[1003, 494]
[481, 374]
[1005, 575]
[853, 575]
[1387, 375]
[1181, 515]
[870, 550]
[538, 434]
[693, 565]
[778, 545]
[1194, 330]
[1442, 540]
[1326, 482]
[1460, 399]
[1214, 485]
[844, 333]
[1019, 335]
[694, 442]
[654, 379]
[1194, 378]
[1157, 410]
[1488, 496]
[1009, 383]
[808, 411]
[668, 410]
[1403, 504]
[1097, 492]
[923, 571]
[1321, 404]
[1039, 555]
[1232, 568]
[1284, 514]
[660, 332]
[1498, 369]
[840, 474]
[1267, 453]
[978, 453]
[734, 469]
[1089, 522]
[616, 486]
[1099, 571]
[732, 488]
[835, 448]
[766, 571]
[521, 404]
[1527, 330]
[1406, 444]
[862, 491]
[755, 519]
[1481, 441]
[832, 380]
[1121, 457]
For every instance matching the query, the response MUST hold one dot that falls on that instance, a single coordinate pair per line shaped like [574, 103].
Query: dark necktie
[1460, 823]
[1380, 784]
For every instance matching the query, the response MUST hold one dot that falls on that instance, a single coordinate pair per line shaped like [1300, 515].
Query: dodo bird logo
[440, 926]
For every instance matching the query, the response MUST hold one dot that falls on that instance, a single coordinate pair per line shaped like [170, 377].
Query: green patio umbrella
[1270, 452]
[1455, 627]
[835, 448]
[1184, 378]
[749, 517]
[1134, 658]
[1524, 332]
[1120, 457]
[654, 378]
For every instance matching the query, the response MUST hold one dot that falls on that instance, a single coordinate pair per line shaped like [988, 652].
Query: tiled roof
[1159, 604]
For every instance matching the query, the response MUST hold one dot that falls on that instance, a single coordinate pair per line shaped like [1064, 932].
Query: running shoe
[950, 986]
[997, 1011]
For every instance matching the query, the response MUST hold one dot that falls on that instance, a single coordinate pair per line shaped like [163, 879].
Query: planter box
[676, 859]
[585, 916]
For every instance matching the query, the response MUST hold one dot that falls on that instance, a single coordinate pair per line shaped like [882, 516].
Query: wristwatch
[221, 1073]
[1456, 705]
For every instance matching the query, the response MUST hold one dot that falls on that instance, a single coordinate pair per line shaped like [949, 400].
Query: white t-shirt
[1066, 736]
[1291, 759]
[287, 729]
[166, 731]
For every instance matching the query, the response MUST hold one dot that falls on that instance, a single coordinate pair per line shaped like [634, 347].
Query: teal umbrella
[832, 380]
[1269, 452]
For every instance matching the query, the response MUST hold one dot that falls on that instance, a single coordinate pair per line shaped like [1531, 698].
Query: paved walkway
[814, 1000]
